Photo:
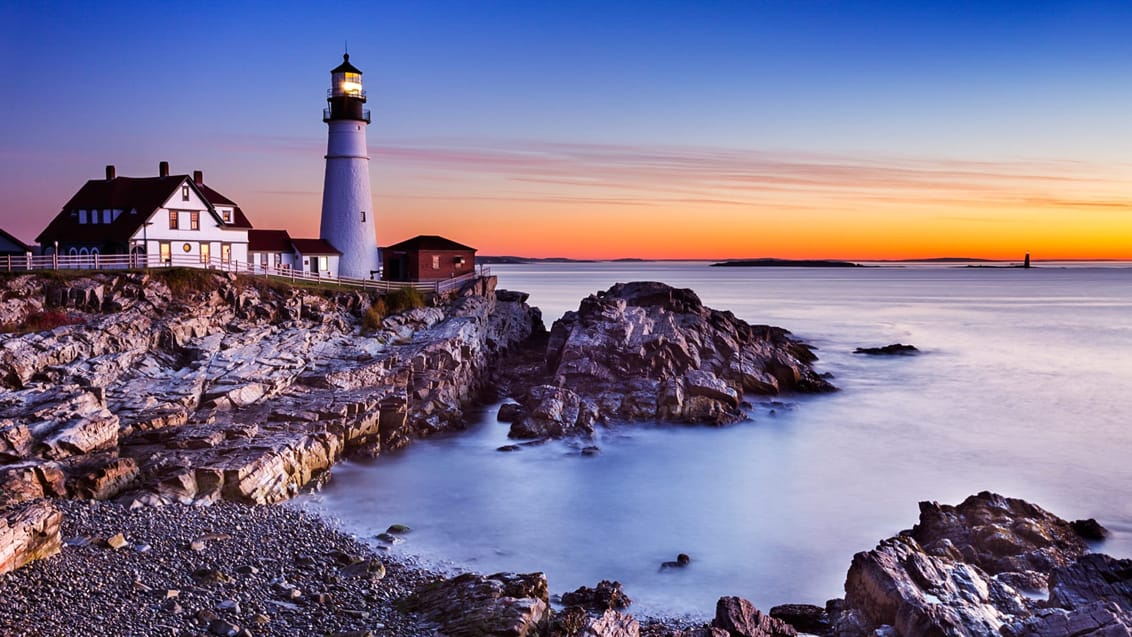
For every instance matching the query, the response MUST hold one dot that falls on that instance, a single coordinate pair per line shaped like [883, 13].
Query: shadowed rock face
[648, 351]
[225, 387]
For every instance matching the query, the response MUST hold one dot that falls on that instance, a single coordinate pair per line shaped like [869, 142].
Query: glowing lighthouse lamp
[347, 206]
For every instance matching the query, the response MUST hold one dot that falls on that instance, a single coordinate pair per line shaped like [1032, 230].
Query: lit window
[225, 252]
[436, 262]
[173, 225]
[323, 263]
[205, 252]
[226, 215]
[185, 192]
[194, 220]
[166, 251]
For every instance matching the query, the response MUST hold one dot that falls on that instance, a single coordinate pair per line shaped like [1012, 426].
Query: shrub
[373, 317]
[42, 321]
[403, 299]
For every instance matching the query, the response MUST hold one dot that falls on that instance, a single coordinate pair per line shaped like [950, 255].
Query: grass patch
[187, 280]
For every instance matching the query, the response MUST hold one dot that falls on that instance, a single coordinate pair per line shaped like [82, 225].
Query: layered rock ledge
[648, 351]
[193, 386]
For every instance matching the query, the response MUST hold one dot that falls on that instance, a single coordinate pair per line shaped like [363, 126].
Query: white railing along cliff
[26, 263]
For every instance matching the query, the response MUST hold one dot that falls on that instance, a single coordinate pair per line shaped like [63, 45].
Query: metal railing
[31, 263]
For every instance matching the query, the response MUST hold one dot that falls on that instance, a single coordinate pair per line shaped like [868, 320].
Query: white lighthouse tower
[347, 206]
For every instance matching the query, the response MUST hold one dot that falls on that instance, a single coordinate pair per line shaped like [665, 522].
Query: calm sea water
[1023, 388]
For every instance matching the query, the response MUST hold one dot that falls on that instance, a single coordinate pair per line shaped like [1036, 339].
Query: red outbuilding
[426, 258]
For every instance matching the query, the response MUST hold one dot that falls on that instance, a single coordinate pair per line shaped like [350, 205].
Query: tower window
[185, 192]
[363, 216]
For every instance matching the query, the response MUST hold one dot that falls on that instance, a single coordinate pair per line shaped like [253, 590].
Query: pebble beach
[226, 569]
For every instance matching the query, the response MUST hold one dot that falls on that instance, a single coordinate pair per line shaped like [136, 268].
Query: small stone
[116, 541]
[259, 619]
[389, 538]
[508, 448]
[247, 569]
[590, 451]
[229, 605]
[223, 628]
[399, 529]
[197, 545]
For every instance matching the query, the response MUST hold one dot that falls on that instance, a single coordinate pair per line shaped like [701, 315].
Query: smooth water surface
[1023, 389]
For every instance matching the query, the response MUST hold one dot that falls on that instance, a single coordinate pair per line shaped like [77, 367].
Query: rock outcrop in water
[989, 566]
[196, 386]
[648, 351]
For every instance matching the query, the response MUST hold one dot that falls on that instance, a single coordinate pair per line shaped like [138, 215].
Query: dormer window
[226, 215]
[185, 192]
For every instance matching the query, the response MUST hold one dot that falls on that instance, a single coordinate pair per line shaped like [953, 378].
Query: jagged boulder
[740, 618]
[471, 605]
[648, 351]
[963, 570]
[28, 531]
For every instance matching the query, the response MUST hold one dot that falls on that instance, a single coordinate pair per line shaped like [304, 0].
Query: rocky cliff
[195, 386]
[648, 351]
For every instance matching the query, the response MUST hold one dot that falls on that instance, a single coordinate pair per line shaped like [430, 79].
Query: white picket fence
[26, 263]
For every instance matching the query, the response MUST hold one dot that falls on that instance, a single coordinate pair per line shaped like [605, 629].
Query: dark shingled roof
[429, 242]
[314, 246]
[144, 194]
[16, 246]
[345, 66]
[268, 241]
[239, 220]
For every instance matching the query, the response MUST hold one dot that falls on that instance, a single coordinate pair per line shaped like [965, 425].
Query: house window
[166, 250]
[278, 259]
[436, 262]
[226, 215]
[106, 216]
[225, 253]
[263, 259]
[185, 192]
[173, 220]
[363, 216]
[194, 220]
[205, 252]
[82, 216]
[94, 216]
[323, 264]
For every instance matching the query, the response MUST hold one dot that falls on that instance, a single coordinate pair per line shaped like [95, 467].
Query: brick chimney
[163, 169]
[198, 177]
[110, 172]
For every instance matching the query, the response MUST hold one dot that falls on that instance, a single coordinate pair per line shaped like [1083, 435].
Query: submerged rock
[896, 349]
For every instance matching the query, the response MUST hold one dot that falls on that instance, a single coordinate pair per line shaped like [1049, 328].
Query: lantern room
[346, 94]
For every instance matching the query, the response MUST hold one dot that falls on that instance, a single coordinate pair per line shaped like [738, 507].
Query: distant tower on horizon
[347, 205]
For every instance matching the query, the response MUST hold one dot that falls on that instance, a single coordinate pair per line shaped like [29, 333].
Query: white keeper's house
[175, 220]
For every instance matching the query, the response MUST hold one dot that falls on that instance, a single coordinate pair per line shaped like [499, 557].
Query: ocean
[1022, 388]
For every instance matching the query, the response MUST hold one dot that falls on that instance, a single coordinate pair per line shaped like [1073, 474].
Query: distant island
[785, 263]
[494, 260]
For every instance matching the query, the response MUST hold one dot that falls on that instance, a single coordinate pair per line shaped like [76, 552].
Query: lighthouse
[347, 206]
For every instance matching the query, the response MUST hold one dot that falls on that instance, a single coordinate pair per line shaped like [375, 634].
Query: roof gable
[429, 242]
[268, 241]
[314, 246]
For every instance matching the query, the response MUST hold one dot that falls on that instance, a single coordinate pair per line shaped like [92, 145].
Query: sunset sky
[785, 128]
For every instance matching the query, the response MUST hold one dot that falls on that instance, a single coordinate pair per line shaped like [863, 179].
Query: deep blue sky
[236, 89]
